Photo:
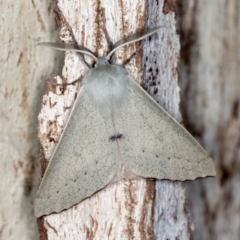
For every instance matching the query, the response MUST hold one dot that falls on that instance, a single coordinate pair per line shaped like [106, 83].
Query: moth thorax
[105, 87]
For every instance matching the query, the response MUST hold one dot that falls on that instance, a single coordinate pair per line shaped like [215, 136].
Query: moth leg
[64, 84]
[63, 21]
[132, 55]
[108, 39]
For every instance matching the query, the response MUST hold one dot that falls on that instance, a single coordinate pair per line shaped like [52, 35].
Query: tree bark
[125, 210]
[210, 90]
[23, 69]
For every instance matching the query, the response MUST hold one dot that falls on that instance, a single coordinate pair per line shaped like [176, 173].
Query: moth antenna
[63, 47]
[146, 34]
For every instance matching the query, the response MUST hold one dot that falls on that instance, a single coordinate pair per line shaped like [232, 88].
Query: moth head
[98, 60]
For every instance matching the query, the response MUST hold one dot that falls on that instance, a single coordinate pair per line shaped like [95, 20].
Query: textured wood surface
[210, 95]
[24, 69]
[124, 210]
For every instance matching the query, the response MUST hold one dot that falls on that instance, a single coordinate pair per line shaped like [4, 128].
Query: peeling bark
[23, 70]
[125, 210]
[210, 90]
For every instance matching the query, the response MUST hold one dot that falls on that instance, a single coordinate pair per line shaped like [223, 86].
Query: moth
[115, 131]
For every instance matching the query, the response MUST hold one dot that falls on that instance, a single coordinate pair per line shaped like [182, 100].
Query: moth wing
[155, 145]
[83, 163]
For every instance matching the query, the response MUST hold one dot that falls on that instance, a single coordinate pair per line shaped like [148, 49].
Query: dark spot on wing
[115, 137]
